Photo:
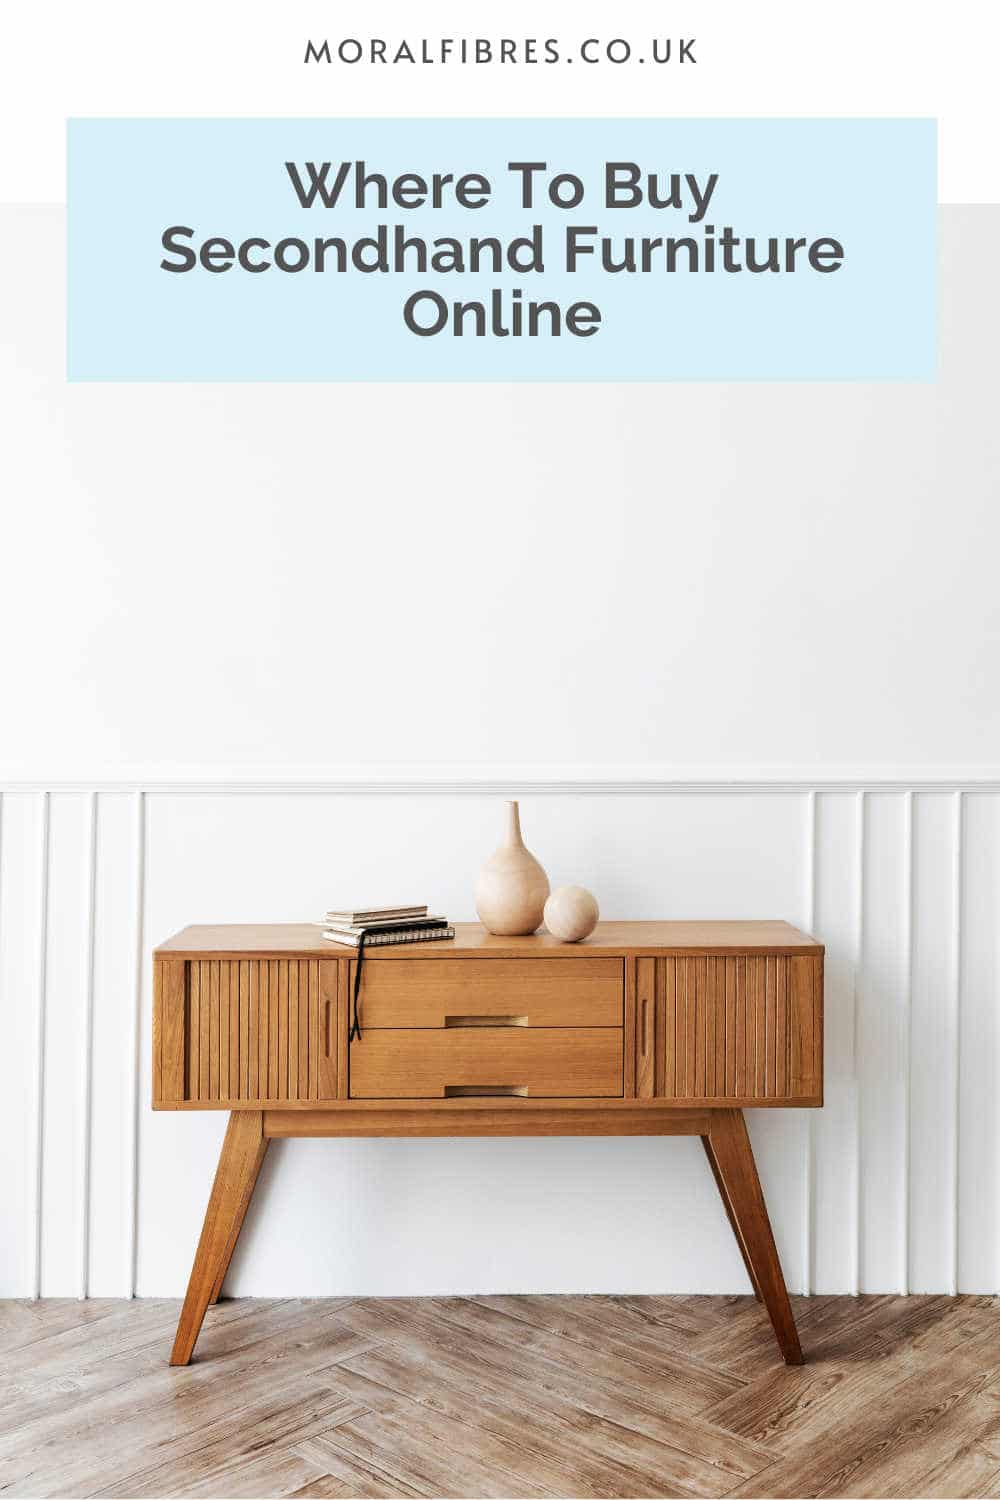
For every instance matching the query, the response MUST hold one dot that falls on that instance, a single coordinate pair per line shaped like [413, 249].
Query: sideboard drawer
[564, 1063]
[440, 992]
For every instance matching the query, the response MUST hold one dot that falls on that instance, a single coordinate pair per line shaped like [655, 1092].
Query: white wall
[617, 579]
[684, 574]
[892, 1185]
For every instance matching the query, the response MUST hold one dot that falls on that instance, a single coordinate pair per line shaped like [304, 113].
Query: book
[356, 926]
[390, 935]
[407, 923]
[368, 915]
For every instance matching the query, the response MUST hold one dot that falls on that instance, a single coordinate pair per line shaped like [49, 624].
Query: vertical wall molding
[87, 1051]
[91, 921]
[906, 865]
[958, 930]
[861, 842]
[136, 993]
[809, 1163]
[40, 1017]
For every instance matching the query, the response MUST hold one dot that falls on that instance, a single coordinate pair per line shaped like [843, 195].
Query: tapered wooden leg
[241, 1213]
[729, 1215]
[242, 1153]
[737, 1173]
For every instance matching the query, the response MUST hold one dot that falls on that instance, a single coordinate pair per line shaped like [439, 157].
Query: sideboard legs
[729, 1152]
[727, 1147]
[723, 1194]
[249, 1183]
[243, 1150]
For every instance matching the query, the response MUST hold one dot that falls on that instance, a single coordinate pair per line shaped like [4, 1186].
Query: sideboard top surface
[612, 939]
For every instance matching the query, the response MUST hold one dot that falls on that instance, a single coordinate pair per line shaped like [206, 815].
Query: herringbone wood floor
[502, 1396]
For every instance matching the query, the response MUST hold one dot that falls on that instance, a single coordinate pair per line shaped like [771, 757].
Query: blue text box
[869, 184]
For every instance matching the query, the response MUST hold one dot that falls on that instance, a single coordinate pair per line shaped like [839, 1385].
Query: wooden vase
[512, 887]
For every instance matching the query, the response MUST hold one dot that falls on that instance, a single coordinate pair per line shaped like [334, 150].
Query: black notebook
[382, 937]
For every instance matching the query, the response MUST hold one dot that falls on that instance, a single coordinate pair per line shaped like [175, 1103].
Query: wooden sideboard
[646, 1028]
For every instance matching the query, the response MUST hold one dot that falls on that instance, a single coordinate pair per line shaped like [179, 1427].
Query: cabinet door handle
[485, 1021]
[486, 1091]
[644, 1025]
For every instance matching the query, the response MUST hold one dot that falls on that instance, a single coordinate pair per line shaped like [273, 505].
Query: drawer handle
[486, 1091]
[485, 1020]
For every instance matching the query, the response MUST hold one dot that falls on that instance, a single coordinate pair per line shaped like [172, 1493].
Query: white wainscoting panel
[893, 1186]
[978, 1156]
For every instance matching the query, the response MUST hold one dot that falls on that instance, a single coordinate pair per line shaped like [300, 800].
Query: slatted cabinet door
[239, 1033]
[735, 1030]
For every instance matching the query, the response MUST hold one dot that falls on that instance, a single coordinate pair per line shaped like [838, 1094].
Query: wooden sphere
[571, 913]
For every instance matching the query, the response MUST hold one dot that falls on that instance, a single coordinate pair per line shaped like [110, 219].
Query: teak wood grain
[572, 1063]
[648, 1028]
[243, 1150]
[746, 1029]
[735, 1170]
[441, 992]
[484, 1116]
[306, 940]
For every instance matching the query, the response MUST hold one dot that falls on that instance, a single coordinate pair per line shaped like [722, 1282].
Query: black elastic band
[355, 1031]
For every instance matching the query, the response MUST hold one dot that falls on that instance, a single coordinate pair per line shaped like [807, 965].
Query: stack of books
[385, 924]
